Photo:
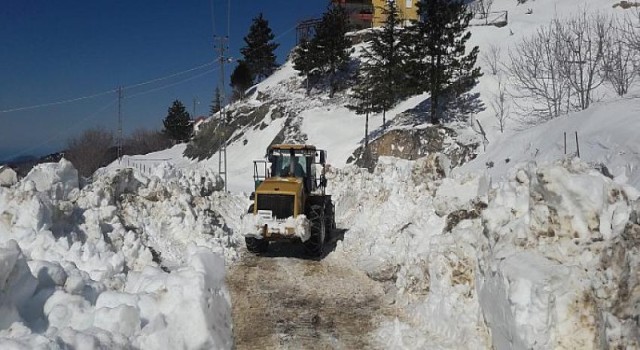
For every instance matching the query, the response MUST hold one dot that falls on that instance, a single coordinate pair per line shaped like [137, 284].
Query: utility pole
[120, 96]
[195, 101]
[222, 153]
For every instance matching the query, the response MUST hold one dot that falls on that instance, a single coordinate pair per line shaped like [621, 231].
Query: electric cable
[49, 104]
[61, 132]
[173, 84]
[132, 86]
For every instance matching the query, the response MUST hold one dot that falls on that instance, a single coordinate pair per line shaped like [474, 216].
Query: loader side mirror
[323, 157]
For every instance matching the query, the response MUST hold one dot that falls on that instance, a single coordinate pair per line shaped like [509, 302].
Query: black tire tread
[315, 244]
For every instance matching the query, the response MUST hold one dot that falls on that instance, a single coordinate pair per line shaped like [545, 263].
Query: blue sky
[60, 50]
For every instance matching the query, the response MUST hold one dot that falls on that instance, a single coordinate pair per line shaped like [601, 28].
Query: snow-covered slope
[607, 135]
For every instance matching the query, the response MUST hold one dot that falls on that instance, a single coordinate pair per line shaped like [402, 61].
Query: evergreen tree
[436, 52]
[241, 80]
[363, 94]
[305, 60]
[177, 124]
[216, 104]
[259, 50]
[382, 62]
[330, 45]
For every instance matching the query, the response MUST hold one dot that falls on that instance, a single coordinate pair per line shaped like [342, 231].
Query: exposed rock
[413, 144]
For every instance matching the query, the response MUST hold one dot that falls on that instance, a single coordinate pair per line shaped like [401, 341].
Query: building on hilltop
[362, 14]
[369, 13]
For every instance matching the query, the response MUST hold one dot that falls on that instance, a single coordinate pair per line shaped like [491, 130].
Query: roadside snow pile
[184, 205]
[76, 269]
[547, 259]
[563, 258]
[398, 238]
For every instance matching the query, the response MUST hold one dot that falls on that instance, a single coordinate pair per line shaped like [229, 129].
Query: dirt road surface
[281, 301]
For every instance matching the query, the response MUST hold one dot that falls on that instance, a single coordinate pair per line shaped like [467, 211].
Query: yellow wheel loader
[289, 202]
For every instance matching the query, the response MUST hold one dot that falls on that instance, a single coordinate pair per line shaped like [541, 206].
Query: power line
[175, 83]
[118, 100]
[170, 76]
[58, 102]
[229, 19]
[103, 93]
[213, 18]
[222, 153]
[66, 129]
[49, 104]
[120, 96]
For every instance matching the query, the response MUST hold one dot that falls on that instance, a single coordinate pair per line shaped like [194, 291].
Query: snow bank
[543, 260]
[398, 238]
[79, 268]
[561, 243]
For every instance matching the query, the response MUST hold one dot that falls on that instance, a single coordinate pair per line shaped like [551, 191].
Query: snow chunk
[58, 180]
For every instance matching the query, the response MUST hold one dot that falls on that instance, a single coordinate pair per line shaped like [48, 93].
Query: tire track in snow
[290, 303]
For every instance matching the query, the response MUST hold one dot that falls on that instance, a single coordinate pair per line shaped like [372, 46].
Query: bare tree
[143, 141]
[630, 29]
[621, 63]
[500, 106]
[91, 150]
[538, 79]
[491, 58]
[482, 7]
[581, 54]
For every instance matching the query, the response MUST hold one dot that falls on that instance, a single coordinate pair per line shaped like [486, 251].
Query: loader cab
[293, 161]
[286, 165]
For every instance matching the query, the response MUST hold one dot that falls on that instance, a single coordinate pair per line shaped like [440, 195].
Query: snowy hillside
[323, 121]
[523, 247]
[607, 135]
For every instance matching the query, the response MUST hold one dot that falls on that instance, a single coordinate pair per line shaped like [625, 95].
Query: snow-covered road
[284, 302]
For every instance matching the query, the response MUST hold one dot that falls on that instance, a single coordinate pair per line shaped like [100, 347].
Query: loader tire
[256, 245]
[315, 244]
[330, 218]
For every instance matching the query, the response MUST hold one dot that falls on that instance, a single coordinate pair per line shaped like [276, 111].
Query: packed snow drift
[546, 259]
[80, 268]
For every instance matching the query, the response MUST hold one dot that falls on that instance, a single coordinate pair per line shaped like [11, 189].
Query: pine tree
[436, 50]
[241, 80]
[216, 104]
[259, 50]
[305, 61]
[331, 45]
[382, 62]
[177, 124]
[362, 93]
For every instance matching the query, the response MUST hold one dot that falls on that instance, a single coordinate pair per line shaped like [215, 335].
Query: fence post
[577, 145]
[565, 143]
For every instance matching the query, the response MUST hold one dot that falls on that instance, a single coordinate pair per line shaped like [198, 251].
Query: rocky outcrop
[412, 144]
